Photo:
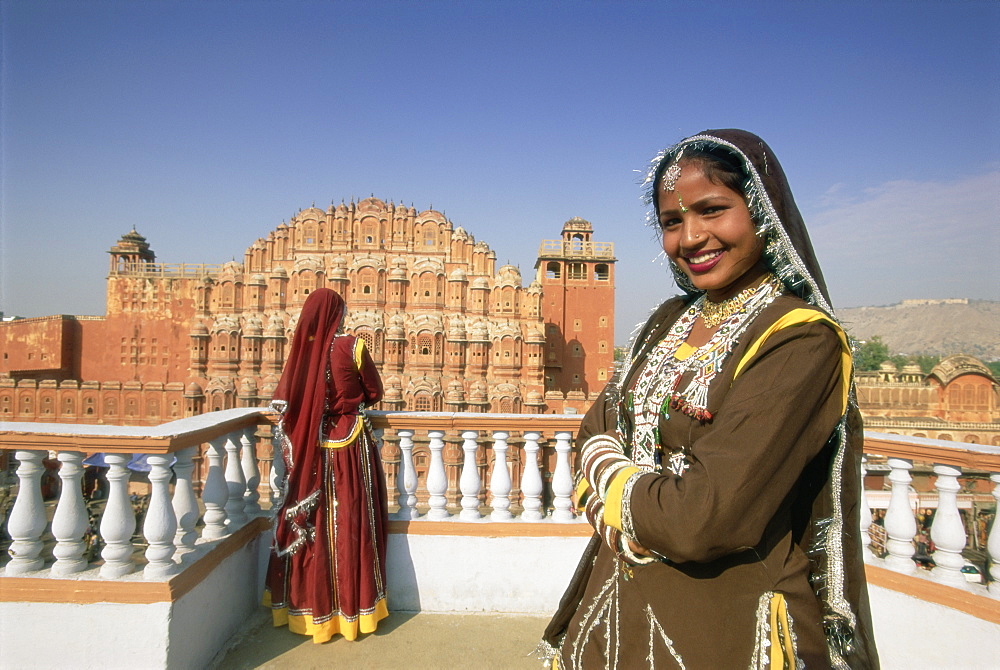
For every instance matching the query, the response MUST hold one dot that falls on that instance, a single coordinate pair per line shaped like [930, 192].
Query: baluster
[900, 524]
[947, 529]
[118, 522]
[27, 518]
[531, 480]
[185, 502]
[470, 482]
[215, 493]
[866, 512]
[993, 541]
[437, 481]
[278, 475]
[562, 480]
[500, 478]
[406, 478]
[251, 472]
[70, 521]
[160, 525]
[235, 482]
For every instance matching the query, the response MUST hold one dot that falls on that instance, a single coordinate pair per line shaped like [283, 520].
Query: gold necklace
[714, 313]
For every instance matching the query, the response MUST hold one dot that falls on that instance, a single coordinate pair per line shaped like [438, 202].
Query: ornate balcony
[482, 522]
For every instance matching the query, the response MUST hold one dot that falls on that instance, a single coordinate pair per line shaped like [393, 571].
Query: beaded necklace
[655, 391]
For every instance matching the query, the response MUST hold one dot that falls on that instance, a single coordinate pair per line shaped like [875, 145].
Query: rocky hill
[930, 327]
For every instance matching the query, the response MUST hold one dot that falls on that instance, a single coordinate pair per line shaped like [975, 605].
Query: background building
[448, 330]
[957, 400]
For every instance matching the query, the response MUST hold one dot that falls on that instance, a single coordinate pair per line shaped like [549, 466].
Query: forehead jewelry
[670, 177]
[680, 202]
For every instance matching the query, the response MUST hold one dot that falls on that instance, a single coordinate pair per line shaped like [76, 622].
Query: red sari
[327, 569]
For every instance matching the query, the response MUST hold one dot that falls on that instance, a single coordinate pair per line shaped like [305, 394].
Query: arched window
[552, 270]
[601, 272]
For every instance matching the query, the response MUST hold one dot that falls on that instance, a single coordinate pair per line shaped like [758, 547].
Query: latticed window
[369, 339]
[425, 345]
[422, 402]
[577, 271]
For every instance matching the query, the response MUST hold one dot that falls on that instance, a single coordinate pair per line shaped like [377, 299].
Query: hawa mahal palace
[449, 330]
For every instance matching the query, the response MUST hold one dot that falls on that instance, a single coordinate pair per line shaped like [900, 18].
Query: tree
[926, 362]
[870, 354]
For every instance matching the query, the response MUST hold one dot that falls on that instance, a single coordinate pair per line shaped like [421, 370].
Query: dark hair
[719, 166]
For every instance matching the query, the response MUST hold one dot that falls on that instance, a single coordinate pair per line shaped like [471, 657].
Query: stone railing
[480, 468]
[167, 269]
[228, 493]
[231, 482]
[441, 477]
[951, 461]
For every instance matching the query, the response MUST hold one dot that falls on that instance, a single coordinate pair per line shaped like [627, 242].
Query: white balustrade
[236, 484]
[215, 493]
[470, 482]
[947, 530]
[160, 524]
[993, 541]
[562, 480]
[251, 472]
[900, 524]
[866, 510]
[70, 521]
[500, 478]
[276, 481]
[185, 502]
[27, 518]
[406, 478]
[118, 521]
[437, 480]
[531, 480]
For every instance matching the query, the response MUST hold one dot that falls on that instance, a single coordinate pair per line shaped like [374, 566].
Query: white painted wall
[187, 634]
[98, 635]
[438, 573]
[912, 634]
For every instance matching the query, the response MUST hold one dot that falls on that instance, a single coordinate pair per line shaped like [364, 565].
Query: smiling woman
[719, 468]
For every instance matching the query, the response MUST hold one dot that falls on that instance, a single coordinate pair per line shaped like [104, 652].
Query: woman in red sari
[327, 569]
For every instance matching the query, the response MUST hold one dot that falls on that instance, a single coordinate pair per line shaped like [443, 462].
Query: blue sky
[205, 124]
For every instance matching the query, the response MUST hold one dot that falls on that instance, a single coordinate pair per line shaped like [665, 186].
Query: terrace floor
[404, 640]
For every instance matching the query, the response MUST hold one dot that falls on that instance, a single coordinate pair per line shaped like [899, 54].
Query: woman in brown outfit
[720, 469]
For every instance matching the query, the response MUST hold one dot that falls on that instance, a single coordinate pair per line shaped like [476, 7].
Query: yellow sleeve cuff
[581, 488]
[613, 497]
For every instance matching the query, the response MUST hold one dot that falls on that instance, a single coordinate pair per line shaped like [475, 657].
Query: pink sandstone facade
[958, 400]
[449, 331]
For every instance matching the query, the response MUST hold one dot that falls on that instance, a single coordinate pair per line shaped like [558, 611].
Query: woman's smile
[709, 233]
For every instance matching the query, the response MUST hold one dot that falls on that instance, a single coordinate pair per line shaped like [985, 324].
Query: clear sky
[206, 124]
